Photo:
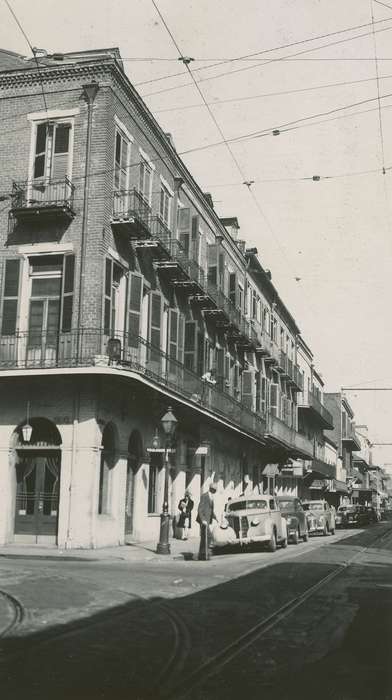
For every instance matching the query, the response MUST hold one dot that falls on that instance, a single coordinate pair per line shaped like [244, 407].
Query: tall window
[145, 180]
[52, 150]
[105, 469]
[113, 317]
[164, 205]
[153, 484]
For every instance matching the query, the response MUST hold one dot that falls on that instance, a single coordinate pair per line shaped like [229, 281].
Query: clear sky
[334, 234]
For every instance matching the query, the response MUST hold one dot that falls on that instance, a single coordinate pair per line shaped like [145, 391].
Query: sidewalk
[136, 551]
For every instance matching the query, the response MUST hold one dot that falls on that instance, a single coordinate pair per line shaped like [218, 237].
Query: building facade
[122, 292]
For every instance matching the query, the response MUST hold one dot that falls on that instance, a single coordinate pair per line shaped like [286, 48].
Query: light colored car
[249, 520]
[320, 516]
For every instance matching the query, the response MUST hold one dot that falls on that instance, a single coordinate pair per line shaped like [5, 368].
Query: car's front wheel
[283, 543]
[272, 543]
[295, 537]
[325, 530]
[332, 530]
[305, 536]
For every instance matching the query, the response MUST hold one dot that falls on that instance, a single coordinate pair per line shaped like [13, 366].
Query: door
[37, 496]
[130, 495]
[44, 319]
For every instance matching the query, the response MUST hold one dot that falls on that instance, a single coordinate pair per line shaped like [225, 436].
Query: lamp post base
[163, 546]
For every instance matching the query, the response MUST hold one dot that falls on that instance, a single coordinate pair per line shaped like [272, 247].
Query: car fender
[283, 528]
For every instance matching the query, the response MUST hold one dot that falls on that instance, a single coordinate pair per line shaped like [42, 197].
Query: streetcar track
[18, 613]
[214, 664]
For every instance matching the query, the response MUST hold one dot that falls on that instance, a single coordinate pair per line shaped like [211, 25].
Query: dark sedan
[292, 511]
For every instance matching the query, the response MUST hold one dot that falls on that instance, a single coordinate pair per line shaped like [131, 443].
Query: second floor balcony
[43, 199]
[92, 347]
[310, 403]
[280, 434]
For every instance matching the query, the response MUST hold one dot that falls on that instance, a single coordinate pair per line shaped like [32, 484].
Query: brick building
[120, 290]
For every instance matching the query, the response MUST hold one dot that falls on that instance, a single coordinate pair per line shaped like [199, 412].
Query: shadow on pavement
[336, 645]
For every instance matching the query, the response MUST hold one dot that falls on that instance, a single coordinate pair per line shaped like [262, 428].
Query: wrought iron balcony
[131, 214]
[323, 469]
[92, 347]
[281, 435]
[311, 404]
[45, 198]
[297, 379]
[351, 440]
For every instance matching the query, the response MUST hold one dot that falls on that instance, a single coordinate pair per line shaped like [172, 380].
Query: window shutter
[227, 373]
[264, 395]
[135, 300]
[247, 388]
[190, 345]
[220, 368]
[108, 295]
[274, 399]
[60, 151]
[173, 333]
[10, 306]
[155, 319]
[221, 263]
[181, 332]
[67, 293]
[195, 238]
[212, 264]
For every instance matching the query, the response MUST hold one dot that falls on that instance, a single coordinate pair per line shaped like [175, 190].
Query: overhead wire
[272, 60]
[274, 94]
[263, 51]
[225, 141]
[32, 49]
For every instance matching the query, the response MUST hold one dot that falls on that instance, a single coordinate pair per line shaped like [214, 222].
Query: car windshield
[313, 506]
[286, 505]
[248, 505]
[341, 509]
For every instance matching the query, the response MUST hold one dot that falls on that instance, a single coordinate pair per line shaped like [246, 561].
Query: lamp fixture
[27, 429]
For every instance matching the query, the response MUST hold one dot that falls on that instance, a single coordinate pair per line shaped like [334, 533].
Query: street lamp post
[168, 422]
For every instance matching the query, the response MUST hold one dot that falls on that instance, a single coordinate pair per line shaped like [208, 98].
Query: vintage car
[297, 524]
[320, 517]
[351, 515]
[250, 520]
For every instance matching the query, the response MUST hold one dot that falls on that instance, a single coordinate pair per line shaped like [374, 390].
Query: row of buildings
[123, 293]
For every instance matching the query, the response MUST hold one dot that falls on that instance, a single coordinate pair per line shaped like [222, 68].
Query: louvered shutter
[221, 272]
[264, 395]
[155, 331]
[108, 295]
[212, 264]
[135, 300]
[60, 151]
[232, 287]
[220, 368]
[181, 333]
[190, 345]
[258, 393]
[67, 293]
[195, 239]
[247, 388]
[274, 399]
[10, 305]
[227, 374]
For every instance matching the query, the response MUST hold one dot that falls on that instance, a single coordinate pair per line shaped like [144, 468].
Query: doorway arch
[135, 454]
[38, 471]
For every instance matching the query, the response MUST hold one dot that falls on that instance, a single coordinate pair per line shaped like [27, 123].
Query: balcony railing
[351, 439]
[89, 347]
[295, 442]
[312, 403]
[322, 468]
[47, 197]
[131, 212]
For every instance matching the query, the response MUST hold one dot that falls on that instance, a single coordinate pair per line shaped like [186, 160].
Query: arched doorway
[38, 467]
[135, 451]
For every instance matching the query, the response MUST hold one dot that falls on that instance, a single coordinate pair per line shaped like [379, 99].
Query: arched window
[106, 466]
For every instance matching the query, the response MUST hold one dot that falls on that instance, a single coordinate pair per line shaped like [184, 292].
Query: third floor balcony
[131, 214]
[43, 199]
[280, 434]
[350, 439]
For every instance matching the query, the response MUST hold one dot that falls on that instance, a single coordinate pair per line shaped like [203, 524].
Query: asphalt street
[311, 621]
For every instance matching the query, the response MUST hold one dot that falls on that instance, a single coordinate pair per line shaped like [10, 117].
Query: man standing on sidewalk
[206, 510]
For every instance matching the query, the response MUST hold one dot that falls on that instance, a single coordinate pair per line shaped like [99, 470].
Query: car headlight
[255, 522]
[224, 524]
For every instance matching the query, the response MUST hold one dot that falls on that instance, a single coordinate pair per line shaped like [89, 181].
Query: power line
[274, 60]
[32, 49]
[274, 94]
[259, 53]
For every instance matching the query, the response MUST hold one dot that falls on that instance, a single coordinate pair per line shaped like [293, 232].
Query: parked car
[297, 524]
[341, 516]
[249, 520]
[353, 515]
[320, 517]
